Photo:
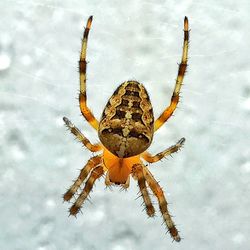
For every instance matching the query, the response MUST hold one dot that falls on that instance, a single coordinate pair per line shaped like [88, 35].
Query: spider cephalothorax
[125, 130]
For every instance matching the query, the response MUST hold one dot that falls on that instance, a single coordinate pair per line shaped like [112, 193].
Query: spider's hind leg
[86, 112]
[167, 113]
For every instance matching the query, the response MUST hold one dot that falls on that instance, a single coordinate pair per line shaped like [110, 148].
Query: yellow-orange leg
[137, 172]
[150, 158]
[82, 69]
[95, 174]
[84, 140]
[92, 163]
[181, 72]
[163, 205]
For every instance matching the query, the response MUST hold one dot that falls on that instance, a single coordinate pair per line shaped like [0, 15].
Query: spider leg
[95, 174]
[107, 181]
[181, 72]
[163, 205]
[75, 131]
[150, 158]
[82, 69]
[137, 172]
[92, 163]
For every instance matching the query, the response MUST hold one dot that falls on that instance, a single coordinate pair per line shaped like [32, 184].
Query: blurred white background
[207, 183]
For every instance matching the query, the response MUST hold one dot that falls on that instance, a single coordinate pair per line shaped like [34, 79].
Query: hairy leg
[150, 158]
[86, 112]
[75, 131]
[92, 163]
[95, 174]
[163, 205]
[181, 72]
[137, 172]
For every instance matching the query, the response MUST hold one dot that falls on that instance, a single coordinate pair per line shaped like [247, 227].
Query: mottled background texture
[207, 183]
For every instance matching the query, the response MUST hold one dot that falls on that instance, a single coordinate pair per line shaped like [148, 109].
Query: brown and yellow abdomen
[126, 126]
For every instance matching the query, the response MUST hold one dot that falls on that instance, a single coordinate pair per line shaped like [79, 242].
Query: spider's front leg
[181, 72]
[86, 112]
[173, 149]
[137, 173]
[163, 205]
[91, 164]
[94, 175]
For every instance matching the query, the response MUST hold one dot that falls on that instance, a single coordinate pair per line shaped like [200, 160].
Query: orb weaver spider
[125, 130]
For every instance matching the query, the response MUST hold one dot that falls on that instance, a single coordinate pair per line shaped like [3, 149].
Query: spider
[126, 130]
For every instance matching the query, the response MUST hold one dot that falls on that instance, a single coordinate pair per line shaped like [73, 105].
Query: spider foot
[174, 234]
[68, 195]
[74, 210]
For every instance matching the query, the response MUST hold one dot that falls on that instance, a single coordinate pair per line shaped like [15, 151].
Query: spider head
[119, 169]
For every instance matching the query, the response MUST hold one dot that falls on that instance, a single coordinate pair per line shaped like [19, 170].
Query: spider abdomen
[126, 126]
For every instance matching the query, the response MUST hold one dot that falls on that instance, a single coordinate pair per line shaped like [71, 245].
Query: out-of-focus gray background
[207, 183]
